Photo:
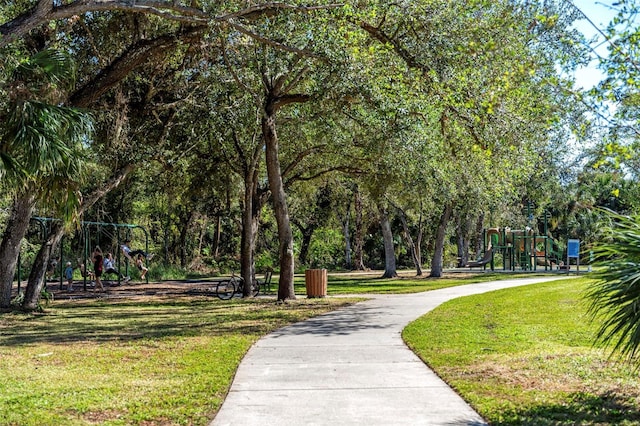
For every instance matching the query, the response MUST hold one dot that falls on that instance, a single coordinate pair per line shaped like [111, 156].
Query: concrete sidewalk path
[350, 367]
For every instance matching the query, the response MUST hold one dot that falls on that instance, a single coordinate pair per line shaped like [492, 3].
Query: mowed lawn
[525, 356]
[160, 361]
[520, 356]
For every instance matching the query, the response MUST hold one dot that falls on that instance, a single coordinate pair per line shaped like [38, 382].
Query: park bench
[265, 283]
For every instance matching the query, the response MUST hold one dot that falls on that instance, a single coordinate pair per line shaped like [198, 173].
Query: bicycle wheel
[225, 289]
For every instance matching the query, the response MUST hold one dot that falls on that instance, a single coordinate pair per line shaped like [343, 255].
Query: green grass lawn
[524, 356]
[520, 356]
[406, 282]
[119, 362]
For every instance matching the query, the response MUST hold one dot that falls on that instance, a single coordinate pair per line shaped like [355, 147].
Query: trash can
[316, 282]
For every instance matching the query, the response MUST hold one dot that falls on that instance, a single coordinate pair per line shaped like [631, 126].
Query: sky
[600, 13]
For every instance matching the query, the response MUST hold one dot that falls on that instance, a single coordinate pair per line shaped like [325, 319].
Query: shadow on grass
[123, 321]
[607, 408]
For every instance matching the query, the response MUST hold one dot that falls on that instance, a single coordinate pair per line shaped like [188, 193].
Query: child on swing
[140, 264]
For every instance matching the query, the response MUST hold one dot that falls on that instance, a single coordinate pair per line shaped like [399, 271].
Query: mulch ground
[131, 289]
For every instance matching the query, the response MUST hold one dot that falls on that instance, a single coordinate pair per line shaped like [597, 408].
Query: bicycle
[226, 289]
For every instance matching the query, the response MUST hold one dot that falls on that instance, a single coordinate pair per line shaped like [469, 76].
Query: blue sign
[573, 248]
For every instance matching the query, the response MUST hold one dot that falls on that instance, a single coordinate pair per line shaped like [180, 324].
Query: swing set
[92, 234]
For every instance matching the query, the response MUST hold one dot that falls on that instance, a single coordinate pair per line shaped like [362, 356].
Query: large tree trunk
[389, 250]
[10, 246]
[305, 244]
[462, 240]
[347, 236]
[358, 261]
[254, 200]
[417, 262]
[39, 268]
[438, 252]
[185, 227]
[479, 236]
[217, 238]
[285, 234]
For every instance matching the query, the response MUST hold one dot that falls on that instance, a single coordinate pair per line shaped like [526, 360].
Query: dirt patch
[131, 289]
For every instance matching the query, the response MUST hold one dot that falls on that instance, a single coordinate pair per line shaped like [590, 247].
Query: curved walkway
[350, 367]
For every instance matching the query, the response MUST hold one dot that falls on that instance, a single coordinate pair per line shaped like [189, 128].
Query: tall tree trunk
[10, 246]
[254, 200]
[389, 251]
[479, 236]
[462, 239]
[419, 241]
[216, 241]
[345, 220]
[307, 235]
[438, 252]
[358, 264]
[285, 234]
[39, 268]
[417, 262]
[187, 224]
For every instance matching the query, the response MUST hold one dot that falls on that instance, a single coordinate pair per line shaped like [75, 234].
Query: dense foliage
[431, 120]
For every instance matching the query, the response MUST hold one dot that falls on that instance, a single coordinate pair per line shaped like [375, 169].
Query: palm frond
[52, 66]
[615, 297]
[44, 135]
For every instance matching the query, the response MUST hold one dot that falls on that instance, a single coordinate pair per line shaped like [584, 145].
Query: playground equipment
[90, 235]
[487, 258]
[524, 249]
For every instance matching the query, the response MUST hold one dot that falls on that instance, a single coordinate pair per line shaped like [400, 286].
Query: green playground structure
[523, 249]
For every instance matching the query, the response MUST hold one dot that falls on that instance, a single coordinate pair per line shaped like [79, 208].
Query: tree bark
[417, 262]
[39, 268]
[285, 233]
[187, 224]
[462, 240]
[345, 220]
[438, 252]
[16, 229]
[479, 234]
[389, 250]
[254, 200]
[46, 11]
[307, 235]
[135, 56]
[359, 238]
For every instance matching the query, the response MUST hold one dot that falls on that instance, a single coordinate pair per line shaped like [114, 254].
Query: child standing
[68, 274]
[97, 268]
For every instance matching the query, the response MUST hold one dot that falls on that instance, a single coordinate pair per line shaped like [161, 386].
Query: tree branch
[135, 56]
[273, 43]
[45, 11]
[281, 101]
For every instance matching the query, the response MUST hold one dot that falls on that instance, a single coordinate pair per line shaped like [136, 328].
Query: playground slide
[544, 262]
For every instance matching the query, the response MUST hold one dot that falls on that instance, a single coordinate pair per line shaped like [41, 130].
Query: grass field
[524, 356]
[406, 282]
[520, 356]
[159, 361]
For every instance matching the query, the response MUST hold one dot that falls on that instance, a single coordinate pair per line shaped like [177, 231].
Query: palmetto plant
[39, 135]
[615, 297]
[41, 140]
